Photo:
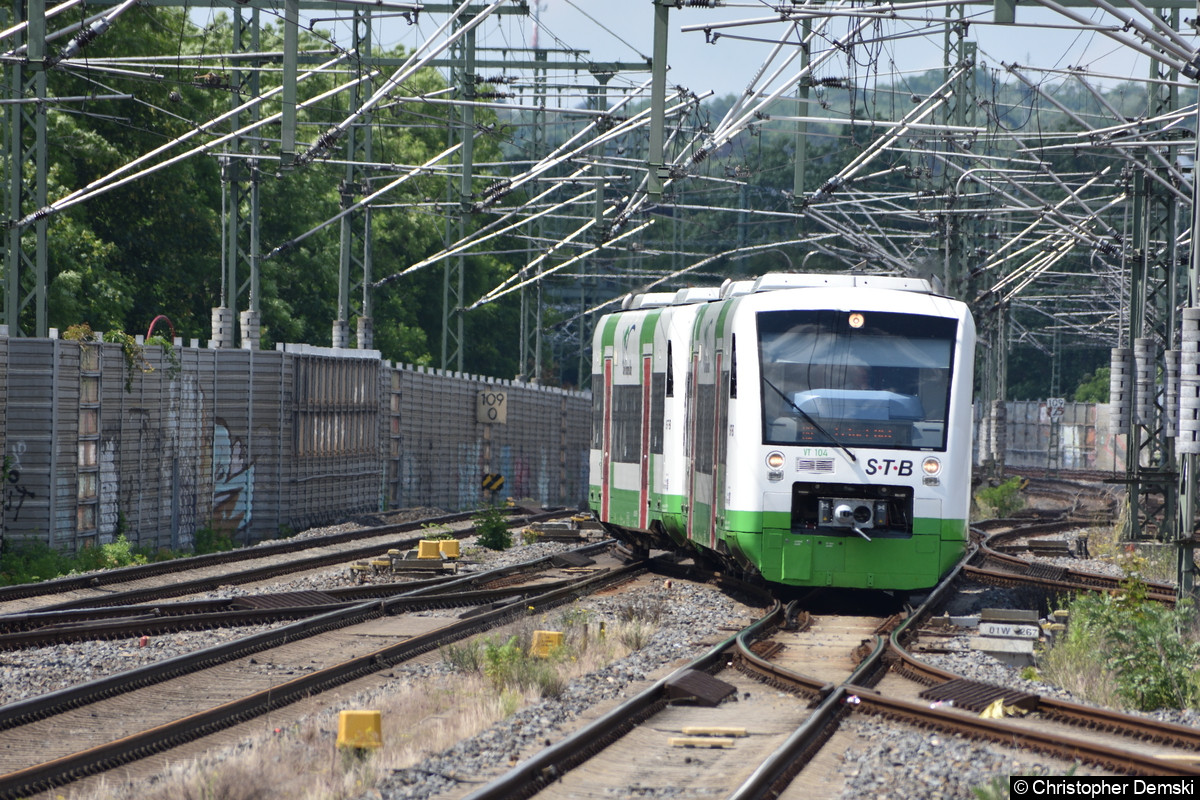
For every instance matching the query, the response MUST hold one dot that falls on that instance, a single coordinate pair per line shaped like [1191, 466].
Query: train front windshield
[855, 379]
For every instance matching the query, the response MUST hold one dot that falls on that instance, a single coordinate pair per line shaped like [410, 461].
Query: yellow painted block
[359, 729]
[544, 643]
[428, 548]
[450, 548]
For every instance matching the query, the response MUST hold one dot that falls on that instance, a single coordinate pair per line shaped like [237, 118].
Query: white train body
[814, 428]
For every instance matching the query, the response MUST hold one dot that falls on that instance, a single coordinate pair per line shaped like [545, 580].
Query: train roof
[773, 281]
[785, 280]
[696, 294]
[633, 302]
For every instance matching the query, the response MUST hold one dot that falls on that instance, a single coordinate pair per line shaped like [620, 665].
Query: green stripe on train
[805, 559]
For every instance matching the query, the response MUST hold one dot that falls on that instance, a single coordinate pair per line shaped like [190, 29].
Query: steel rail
[1013, 734]
[126, 574]
[489, 579]
[41, 777]
[129, 574]
[20, 712]
[781, 766]
[1131, 725]
[1072, 580]
[533, 774]
[150, 625]
[1076, 714]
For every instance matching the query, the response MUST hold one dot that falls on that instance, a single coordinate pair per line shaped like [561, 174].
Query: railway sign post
[491, 407]
[492, 483]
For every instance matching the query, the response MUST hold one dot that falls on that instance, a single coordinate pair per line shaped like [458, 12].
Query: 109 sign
[492, 408]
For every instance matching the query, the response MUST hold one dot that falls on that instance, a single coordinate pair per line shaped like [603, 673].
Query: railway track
[185, 576]
[991, 565]
[815, 677]
[57, 738]
[836, 684]
[40, 629]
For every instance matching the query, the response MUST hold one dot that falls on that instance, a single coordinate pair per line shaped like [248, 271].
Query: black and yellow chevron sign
[493, 481]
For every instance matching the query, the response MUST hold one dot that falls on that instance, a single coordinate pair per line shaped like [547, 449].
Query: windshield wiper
[810, 420]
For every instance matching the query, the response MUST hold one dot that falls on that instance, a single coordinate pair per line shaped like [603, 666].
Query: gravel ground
[685, 614]
[893, 761]
[37, 671]
[889, 760]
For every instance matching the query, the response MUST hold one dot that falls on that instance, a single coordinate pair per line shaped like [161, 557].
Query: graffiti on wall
[110, 482]
[15, 493]
[191, 433]
[233, 481]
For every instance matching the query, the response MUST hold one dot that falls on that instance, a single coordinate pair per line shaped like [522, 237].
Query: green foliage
[1095, 387]
[466, 657]
[118, 553]
[79, 333]
[509, 666]
[1030, 370]
[501, 663]
[1002, 500]
[135, 357]
[997, 787]
[636, 634]
[435, 531]
[169, 353]
[1153, 651]
[491, 526]
[148, 247]
[31, 562]
[209, 540]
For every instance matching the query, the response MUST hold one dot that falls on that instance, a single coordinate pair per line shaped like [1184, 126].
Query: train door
[644, 477]
[689, 445]
[715, 463]
[606, 436]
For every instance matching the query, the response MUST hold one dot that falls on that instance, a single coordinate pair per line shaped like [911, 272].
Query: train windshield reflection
[855, 379]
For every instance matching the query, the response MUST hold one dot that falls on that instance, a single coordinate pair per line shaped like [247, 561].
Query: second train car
[813, 428]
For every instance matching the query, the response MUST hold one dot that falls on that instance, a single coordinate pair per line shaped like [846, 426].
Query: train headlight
[931, 466]
[775, 459]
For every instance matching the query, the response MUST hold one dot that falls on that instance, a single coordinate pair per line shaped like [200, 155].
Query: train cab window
[858, 379]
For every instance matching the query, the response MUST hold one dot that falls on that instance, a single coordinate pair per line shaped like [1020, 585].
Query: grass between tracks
[490, 678]
[32, 562]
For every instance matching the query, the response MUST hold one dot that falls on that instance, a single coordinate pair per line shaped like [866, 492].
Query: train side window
[733, 366]
[670, 371]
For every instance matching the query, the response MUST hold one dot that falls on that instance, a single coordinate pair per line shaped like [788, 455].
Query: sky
[623, 30]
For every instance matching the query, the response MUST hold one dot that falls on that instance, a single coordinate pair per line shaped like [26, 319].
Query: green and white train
[814, 429]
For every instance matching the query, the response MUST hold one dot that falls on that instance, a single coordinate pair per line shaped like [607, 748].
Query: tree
[1095, 387]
